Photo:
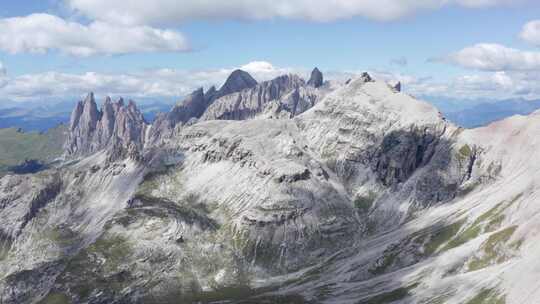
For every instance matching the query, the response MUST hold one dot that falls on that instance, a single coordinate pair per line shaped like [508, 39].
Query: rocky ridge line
[195, 104]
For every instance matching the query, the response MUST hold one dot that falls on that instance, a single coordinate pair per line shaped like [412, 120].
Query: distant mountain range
[487, 112]
[469, 114]
[38, 117]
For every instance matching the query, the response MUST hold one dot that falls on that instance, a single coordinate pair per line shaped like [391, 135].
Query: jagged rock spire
[90, 113]
[316, 79]
[83, 123]
[76, 116]
[106, 127]
[92, 130]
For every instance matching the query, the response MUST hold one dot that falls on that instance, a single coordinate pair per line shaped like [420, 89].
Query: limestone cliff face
[195, 105]
[240, 98]
[83, 124]
[116, 126]
[293, 103]
[249, 103]
[190, 109]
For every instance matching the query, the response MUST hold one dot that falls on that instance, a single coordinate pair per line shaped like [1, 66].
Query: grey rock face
[129, 126]
[366, 141]
[240, 98]
[22, 198]
[316, 79]
[294, 103]
[397, 86]
[76, 116]
[116, 126]
[193, 107]
[401, 153]
[83, 120]
[160, 128]
[55, 214]
[365, 77]
[107, 121]
[250, 102]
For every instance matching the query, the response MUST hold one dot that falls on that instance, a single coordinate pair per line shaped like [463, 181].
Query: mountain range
[483, 113]
[282, 191]
[42, 116]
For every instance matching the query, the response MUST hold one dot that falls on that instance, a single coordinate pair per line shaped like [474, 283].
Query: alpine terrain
[282, 191]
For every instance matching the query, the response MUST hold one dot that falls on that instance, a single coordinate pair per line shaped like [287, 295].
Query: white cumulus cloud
[531, 32]
[175, 12]
[486, 3]
[159, 83]
[498, 85]
[494, 57]
[495, 85]
[170, 84]
[40, 33]
[263, 70]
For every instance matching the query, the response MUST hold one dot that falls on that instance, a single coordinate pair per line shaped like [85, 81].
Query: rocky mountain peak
[85, 116]
[366, 77]
[398, 86]
[237, 81]
[90, 113]
[92, 130]
[89, 98]
[316, 79]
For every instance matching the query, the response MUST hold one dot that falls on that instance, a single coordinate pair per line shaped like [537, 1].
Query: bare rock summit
[316, 79]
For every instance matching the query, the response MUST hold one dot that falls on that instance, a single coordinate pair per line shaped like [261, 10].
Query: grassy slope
[16, 146]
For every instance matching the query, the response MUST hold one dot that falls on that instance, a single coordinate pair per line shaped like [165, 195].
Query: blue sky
[440, 47]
